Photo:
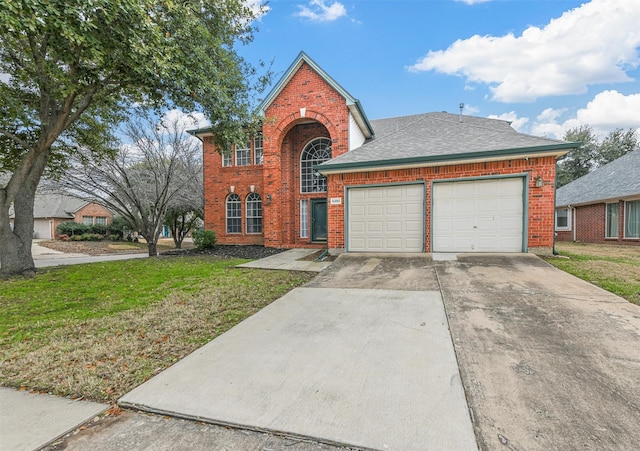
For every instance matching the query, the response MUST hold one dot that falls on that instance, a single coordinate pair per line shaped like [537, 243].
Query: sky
[545, 65]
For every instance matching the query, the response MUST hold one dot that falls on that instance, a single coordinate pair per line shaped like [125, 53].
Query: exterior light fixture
[268, 199]
[539, 182]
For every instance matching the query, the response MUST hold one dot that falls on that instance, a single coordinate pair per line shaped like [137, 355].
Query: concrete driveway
[368, 367]
[362, 356]
[548, 361]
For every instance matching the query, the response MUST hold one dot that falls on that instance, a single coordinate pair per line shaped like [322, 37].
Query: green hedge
[204, 239]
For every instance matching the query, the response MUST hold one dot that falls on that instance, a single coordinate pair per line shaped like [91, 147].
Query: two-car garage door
[483, 215]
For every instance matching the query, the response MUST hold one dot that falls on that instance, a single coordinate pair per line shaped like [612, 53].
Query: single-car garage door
[386, 218]
[42, 229]
[478, 215]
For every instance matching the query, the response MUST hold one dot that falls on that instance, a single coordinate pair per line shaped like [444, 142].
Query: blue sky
[545, 65]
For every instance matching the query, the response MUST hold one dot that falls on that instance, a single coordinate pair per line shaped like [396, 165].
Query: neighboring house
[602, 206]
[320, 174]
[51, 210]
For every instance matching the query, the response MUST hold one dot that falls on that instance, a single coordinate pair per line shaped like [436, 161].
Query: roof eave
[556, 150]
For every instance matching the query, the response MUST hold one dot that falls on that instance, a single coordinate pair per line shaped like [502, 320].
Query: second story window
[257, 149]
[243, 154]
[226, 158]
[316, 152]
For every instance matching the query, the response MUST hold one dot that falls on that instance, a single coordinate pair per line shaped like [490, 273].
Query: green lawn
[98, 330]
[615, 268]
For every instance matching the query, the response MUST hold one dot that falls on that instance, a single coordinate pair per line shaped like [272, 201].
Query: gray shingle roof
[613, 181]
[55, 206]
[440, 137]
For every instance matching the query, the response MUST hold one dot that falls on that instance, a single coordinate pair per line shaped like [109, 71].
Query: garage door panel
[394, 218]
[478, 215]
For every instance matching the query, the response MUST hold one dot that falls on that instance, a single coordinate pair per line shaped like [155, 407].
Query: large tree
[157, 171]
[593, 152]
[68, 70]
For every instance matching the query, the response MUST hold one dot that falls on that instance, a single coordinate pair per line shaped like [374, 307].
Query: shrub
[63, 237]
[76, 237]
[98, 229]
[114, 237]
[204, 239]
[72, 228]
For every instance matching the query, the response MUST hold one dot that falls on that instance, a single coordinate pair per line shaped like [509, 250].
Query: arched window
[234, 219]
[316, 152]
[254, 213]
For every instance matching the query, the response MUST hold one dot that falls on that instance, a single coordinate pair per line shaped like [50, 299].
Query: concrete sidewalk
[29, 421]
[291, 260]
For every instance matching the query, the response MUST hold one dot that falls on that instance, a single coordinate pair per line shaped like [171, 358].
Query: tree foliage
[158, 171]
[593, 152]
[75, 67]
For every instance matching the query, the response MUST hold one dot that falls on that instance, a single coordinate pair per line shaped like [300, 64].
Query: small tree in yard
[145, 179]
[74, 67]
[181, 221]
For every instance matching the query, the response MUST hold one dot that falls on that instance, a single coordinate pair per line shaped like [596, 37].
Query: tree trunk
[153, 248]
[15, 245]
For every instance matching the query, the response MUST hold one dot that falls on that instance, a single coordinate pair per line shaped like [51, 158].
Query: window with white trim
[304, 218]
[611, 221]
[226, 158]
[316, 152]
[632, 219]
[243, 154]
[563, 219]
[234, 218]
[257, 148]
[254, 213]
[101, 220]
[87, 220]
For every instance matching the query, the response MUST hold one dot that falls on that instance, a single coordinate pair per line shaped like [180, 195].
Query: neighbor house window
[87, 220]
[243, 154]
[101, 220]
[234, 220]
[632, 219]
[254, 213]
[257, 149]
[316, 152]
[304, 218]
[563, 219]
[226, 158]
[612, 221]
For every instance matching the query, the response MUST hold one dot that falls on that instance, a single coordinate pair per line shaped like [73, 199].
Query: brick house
[321, 174]
[602, 206]
[51, 210]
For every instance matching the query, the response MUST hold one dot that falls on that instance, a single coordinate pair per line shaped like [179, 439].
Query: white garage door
[478, 216]
[42, 229]
[386, 219]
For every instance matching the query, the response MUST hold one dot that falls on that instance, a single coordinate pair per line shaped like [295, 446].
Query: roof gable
[352, 103]
[441, 137]
[613, 181]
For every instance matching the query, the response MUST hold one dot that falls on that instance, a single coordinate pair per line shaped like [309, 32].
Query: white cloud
[4, 78]
[594, 43]
[607, 111]
[516, 122]
[319, 11]
[258, 7]
[187, 121]
[470, 109]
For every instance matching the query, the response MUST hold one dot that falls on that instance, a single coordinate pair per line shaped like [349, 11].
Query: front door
[318, 220]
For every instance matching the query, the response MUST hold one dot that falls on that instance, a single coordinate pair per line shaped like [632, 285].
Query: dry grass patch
[106, 355]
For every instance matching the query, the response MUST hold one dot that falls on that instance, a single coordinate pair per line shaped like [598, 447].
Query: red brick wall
[93, 210]
[540, 202]
[589, 222]
[217, 186]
